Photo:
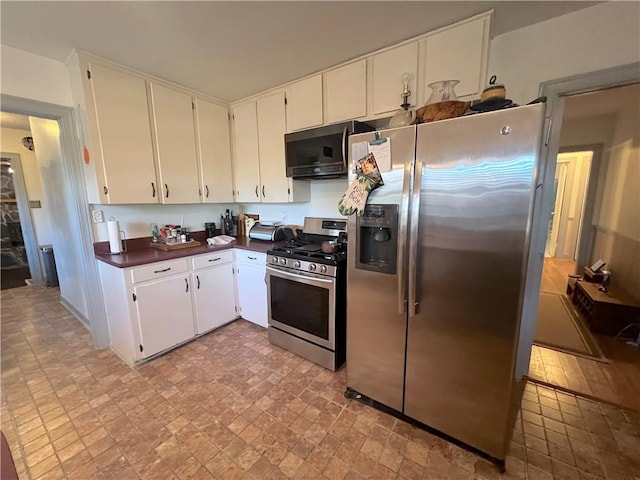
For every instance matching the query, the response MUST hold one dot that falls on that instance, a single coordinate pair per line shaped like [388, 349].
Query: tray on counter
[174, 246]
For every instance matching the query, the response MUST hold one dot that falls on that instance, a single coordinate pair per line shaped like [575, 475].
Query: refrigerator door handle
[402, 237]
[413, 237]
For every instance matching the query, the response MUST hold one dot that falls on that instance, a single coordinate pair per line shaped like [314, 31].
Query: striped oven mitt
[367, 179]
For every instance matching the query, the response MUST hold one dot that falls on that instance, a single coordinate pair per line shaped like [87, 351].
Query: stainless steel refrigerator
[436, 270]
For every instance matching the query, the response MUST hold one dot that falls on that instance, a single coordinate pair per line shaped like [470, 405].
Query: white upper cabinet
[214, 152]
[345, 92]
[175, 145]
[304, 103]
[247, 162]
[459, 53]
[123, 151]
[387, 69]
[271, 129]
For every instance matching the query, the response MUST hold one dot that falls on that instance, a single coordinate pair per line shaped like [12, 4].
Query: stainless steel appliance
[435, 336]
[306, 291]
[269, 233]
[320, 152]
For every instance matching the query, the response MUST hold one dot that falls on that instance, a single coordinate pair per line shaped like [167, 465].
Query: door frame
[26, 220]
[75, 182]
[555, 91]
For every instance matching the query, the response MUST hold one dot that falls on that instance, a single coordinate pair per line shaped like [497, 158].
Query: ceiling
[15, 121]
[602, 102]
[231, 50]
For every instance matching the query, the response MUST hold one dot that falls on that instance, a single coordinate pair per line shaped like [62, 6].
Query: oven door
[302, 305]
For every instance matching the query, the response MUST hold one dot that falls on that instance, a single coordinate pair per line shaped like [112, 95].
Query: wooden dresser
[605, 312]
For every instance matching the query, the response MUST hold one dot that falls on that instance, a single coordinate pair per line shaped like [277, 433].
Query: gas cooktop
[309, 250]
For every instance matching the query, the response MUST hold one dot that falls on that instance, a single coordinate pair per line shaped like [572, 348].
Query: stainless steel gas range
[307, 293]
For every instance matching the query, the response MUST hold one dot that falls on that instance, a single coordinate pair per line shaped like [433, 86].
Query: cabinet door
[165, 313]
[387, 70]
[246, 165]
[271, 130]
[124, 136]
[214, 152]
[459, 53]
[214, 296]
[345, 92]
[304, 103]
[175, 145]
[252, 294]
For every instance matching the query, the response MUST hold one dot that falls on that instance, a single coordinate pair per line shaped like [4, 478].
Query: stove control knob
[323, 269]
[283, 261]
[296, 264]
[274, 259]
[312, 267]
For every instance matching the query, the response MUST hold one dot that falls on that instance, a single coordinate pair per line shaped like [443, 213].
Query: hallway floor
[616, 381]
[230, 405]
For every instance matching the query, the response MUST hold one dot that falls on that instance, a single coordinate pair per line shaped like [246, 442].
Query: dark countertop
[140, 253]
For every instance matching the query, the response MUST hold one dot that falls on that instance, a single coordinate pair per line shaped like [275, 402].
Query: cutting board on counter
[174, 246]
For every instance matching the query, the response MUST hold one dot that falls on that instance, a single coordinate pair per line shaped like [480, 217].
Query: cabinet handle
[206, 187]
[252, 258]
[215, 259]
[187, 284]
[105, 190]
[166, 188]
[262, 191]
[257, 196]
[153, 190]
[198, 278]
[161, 271]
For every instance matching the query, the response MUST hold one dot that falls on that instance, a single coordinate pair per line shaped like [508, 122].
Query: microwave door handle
[344, 148]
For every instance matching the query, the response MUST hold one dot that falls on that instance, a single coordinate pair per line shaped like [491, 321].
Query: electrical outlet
[98, 216]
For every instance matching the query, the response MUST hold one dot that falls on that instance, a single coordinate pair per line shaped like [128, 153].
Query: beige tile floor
[230, 405]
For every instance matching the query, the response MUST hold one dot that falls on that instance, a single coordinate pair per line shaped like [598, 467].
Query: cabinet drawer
[247, 256]
[158, 270]
[211, 259]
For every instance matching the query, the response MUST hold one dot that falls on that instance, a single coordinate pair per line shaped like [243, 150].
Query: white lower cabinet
[252, 289]
[214, 290]
[164, 312]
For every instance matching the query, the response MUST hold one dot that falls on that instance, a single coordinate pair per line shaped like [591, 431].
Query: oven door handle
[301, 277]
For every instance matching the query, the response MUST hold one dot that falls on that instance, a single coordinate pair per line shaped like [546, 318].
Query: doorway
[13, 253]
[598, 143]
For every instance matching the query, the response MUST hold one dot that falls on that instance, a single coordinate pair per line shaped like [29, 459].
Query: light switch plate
[98, 216]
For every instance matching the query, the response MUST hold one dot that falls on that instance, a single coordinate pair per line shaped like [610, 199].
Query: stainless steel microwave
[321, 152]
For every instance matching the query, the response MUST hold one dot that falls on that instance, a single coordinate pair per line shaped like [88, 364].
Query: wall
[603, 36]
[135, 219]
[65, 241]
[617, 222]
[27, 75]
[10, 143]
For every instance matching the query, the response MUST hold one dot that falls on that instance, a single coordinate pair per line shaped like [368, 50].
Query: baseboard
[84, 320]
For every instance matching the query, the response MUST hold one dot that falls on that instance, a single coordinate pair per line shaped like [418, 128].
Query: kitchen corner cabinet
[304, 103]
[252, 289]
[247, 162]
[175, 144]
[387, 69]
[214, 290]
[345, 92]
[214, 152]
[122, 151]
[461, 53]
[260, 173]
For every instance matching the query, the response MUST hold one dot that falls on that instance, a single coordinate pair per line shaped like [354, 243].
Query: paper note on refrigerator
[382, 152]
[358, 150]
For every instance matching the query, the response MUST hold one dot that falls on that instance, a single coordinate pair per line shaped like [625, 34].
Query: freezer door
[376, 302]
[475, 197]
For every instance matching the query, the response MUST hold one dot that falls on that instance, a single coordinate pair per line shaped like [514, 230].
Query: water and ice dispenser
[377, 238]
